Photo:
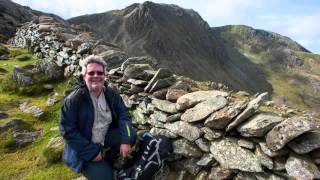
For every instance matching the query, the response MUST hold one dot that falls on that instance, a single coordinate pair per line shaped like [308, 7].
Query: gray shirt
[102, 118]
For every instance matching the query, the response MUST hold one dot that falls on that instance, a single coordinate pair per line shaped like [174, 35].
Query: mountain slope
[179, 39]
[292, 70]
[13, 14]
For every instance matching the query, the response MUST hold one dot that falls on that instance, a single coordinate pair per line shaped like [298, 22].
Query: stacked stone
[60, 47]
[218, 134]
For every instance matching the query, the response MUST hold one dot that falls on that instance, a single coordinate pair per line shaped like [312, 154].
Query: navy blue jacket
[76, 121]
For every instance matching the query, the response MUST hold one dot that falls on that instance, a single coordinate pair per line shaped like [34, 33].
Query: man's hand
[98, 157]
[124, 150]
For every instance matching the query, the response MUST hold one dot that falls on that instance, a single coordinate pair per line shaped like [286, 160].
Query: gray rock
[305, 143]
[249, 111]
[231, 156]
[287, 130]
[259, 124]
[139, 60]
[211, 134]
[138, 118]
[84, 48]
[185, 148]
[203, 144]
[22, 139]
[206, 160]
[160, 74]
[162, 83]
[159, 116]
[137, 82]
[174, 117]
[265, 160]
[221, 118]
[155, 123]
[51, 70]
[22, 77]
[164, 132]
[272, 153]
[185, 130]
[13, 123]
[243, 93]
[220, 173]
[164, 106]
[204, 109]
[191, 99]
[133, 71]
[114, 58]
[302, 168]
[34, 110]
[246, 143]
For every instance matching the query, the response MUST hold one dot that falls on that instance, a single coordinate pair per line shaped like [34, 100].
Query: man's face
[94, 77]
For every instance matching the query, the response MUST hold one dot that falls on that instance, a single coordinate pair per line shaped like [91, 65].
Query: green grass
[22, 163]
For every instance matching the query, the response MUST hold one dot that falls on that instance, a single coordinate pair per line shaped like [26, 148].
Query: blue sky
[296, 19]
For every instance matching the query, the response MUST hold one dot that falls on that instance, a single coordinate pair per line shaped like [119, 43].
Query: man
[94, 117]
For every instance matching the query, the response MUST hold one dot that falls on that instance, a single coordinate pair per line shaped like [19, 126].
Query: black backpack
[149, 158]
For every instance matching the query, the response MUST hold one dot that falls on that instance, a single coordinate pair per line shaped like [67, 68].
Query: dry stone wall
[216, 133]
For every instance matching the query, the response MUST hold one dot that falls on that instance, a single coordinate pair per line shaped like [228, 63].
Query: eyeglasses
[92, 73]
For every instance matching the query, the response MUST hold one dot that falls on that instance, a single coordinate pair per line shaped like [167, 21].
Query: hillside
[179, 39]
[292, 70]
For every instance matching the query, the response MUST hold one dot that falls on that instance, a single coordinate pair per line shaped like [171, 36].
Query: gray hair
[93, 59]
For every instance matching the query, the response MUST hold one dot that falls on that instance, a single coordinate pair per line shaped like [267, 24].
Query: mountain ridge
[180, 39]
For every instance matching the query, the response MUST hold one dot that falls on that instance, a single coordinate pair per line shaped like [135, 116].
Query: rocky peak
[279, 49]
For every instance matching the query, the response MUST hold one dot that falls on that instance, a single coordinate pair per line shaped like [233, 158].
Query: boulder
[204, 109]
[221, 118]
[133, 71]
[287, 130]
[231, 156]
[139, 60]
[301, 168]
[259, 124]
[163, 132]
[22, 139]
[206, 160]
[185, 148]
[164, 106]
[191, 99]
[184, 129]
[249, 111]
[160, 74]
[272, 153]
[162, 83]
